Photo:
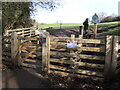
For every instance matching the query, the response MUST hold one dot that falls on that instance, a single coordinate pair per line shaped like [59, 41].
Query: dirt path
[68, 32]
[23, 79]
[63, 32]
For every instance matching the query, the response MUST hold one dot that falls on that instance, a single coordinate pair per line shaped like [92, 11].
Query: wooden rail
[95, 41]
[111, 57]
[93, 49]
[59, 55]
[9, 43]
[24, 32]
[96, 57]
[78, 72]
[117, 71]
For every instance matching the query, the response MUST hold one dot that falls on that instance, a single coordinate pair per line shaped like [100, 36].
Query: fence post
[19, 52]
[0, 49]
[108, 53]
[6, 33]
[114, 58]
[30, 32]
[81, 30]
[119, 39]
[45, 52]
[72, 36]
[23, 32]
[80, 37]
[95, 30]
[14, 46]
[48, 52]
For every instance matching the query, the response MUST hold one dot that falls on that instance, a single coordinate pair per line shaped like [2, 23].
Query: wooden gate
[91, 58]
[20, 47]
[97, 58]
[87, 59]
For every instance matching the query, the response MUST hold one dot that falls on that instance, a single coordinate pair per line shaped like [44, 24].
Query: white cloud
[76, 11]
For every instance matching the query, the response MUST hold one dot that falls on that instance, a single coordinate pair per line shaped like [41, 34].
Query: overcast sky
[76, 11]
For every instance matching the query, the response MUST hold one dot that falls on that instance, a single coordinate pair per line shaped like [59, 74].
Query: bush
[110, 19]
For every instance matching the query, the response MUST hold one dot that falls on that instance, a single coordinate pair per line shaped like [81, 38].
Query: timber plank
[19, 33]
[5, 58]
[16, 30]
[114, 57]
[93, 49]
[82, 56]
[28, 34]
[27, 55]
[63, 43]
[6, 53]
[6, 42]
[6, 49]
[28, 65]
[107, 74]
[27, 60]
[77, 75]
[5, 36]
[27, 31]
[95, 41]
[63, 61]
[31, 38]
[28, 38]
[84, 72]
[14, 45]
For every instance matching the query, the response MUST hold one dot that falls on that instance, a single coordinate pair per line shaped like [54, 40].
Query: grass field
[115, 31]
[103, 25]
[73, 25]
[57, 25]
[76, 25]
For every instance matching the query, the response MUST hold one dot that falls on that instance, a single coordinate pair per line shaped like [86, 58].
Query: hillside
[73, 28]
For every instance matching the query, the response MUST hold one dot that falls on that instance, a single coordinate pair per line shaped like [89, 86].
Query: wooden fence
[95, 57]
[118, 58]
[6, 48]
[28, 52]
[25, 32]
[99, 58]
[63, 59]
[9, 41]
[111, 58]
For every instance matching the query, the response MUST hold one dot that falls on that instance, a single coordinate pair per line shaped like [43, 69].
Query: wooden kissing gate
[99, 58]
[93, 57]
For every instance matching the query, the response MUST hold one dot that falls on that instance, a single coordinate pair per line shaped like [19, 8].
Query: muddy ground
[19, 78]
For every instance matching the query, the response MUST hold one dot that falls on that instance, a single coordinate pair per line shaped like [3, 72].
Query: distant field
[57, 26]
[101, 26]
[115, 31]
[75, 25]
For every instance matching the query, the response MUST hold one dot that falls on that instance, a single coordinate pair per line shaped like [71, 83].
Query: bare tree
[114, 15]
[102, 15]
[47, 4]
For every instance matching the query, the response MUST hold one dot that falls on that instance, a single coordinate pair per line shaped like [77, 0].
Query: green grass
[115, 31]
[103, 25]
[57, 26]
[75, 25]
[100, 26]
